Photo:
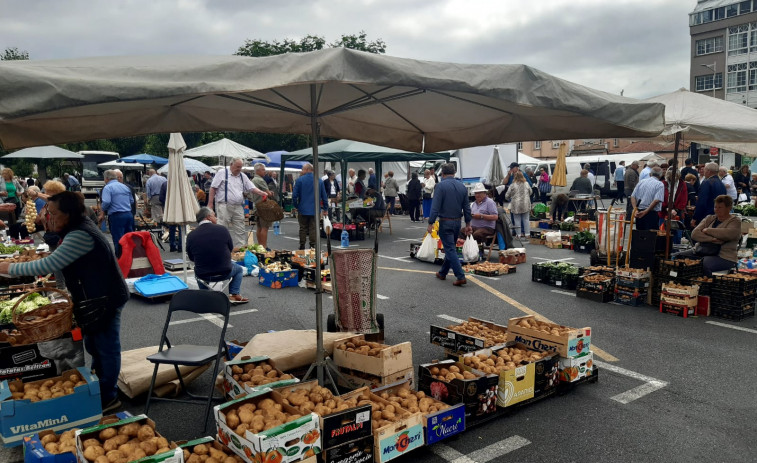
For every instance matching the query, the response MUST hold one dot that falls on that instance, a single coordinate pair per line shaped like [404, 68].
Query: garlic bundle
[31, 216]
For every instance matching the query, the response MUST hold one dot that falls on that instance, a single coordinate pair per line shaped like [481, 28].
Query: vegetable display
[360, 346]
[584, 238]
[31, 216]
[490, 335]
[507, 358]
[256, 374]
[123, 444]
[10, 249]
[33, 302]
[48, 389]
[259, 248]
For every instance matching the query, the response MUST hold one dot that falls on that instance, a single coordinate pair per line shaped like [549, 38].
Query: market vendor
[92, 275]
[209, 247]
[484, 212]
[717, 238]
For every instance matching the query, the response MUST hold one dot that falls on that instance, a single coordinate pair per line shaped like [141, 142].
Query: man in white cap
[484, 214]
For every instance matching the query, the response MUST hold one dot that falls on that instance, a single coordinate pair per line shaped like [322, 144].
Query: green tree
[263, 48]
[13, 54]
[360, 42]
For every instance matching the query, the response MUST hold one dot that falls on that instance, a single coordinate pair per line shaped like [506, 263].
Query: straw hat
[479, 188]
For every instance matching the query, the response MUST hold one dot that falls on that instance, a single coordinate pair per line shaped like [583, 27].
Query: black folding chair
[199, 302]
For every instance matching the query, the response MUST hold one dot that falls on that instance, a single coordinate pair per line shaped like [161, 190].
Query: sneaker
[111, 406]
[238, 299]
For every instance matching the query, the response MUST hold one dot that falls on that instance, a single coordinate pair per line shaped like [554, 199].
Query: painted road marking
[214, 319]
[405, 239]
[450, 318]
[323, 244]
[726, 325]
[650, 384]
[484, 455]
[553, 260]
[401, 259]
[382, 297]
[567, 293]
[597, 351]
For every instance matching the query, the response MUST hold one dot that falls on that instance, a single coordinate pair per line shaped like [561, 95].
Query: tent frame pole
[671, 186]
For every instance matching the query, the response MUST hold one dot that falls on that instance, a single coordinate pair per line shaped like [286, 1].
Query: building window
[745, 7]
[737, 77]
[555, 145]
[705, 83]
[753, 75]
[615, 142]
[710, 45]
[520, 145]
[738, 40]
[731, 11]
[537, 145]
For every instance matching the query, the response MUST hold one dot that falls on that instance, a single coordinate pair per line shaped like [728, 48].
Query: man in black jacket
[209, 247]
[414, 194]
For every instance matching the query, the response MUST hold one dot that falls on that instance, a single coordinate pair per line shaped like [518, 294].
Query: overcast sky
[640, 46]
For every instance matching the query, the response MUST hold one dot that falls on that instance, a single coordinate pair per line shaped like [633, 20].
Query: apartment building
[724, 50]
[549, 149]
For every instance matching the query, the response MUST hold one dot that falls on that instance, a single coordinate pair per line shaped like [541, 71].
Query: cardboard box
[235, 347]
[360, 379]
[307, 257]
[207, 441]
[234, 388]
[703, 306]
[398, 438]
[460, 342]
[289, 442]
[577, 341]
[574, 368]
[174, 456]
[277, 280]
[438, 425]
[344, 426]
[357, 451]
[19, 418]
[477, 394]
[513, 386]
[34, 451]
[390, 360]
[41, 360]
[546, 375]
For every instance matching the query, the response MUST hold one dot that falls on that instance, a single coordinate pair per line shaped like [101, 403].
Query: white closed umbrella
[181, 203]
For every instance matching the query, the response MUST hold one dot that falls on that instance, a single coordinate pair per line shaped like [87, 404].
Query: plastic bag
[427, 251]
[470, 250]
[327, 225]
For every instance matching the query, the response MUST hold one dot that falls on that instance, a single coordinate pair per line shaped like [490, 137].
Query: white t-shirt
[730, 186]
[237, 185]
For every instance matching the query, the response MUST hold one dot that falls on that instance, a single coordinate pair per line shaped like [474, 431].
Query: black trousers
[621, 191]
[415, 209]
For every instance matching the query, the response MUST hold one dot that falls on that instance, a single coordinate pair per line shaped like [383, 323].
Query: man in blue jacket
[303, 199]
[710, 188]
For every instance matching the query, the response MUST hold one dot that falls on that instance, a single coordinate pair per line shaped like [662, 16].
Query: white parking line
[401, 259]
[214, 319]
[650, 384]
[567, 293]
[484, 455]
[382, 297]
[405, 239]
[450, 318]
[726, 325]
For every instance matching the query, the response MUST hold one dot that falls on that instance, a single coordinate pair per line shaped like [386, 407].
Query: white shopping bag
[470, 250]
[427, 251]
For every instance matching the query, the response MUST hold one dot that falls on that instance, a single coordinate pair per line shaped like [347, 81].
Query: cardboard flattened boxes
[291, 441]
[246, 375]
[22, 417]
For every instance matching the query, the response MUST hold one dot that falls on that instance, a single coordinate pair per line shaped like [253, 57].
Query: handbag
[269, 210]
[707, 249]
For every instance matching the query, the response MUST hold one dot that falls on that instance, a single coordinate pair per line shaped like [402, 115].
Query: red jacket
[679, 202]
[144, 248]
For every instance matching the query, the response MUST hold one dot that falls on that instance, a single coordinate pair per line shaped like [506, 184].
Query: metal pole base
[327, 366]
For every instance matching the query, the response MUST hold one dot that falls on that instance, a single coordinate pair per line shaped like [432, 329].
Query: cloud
[641, 46]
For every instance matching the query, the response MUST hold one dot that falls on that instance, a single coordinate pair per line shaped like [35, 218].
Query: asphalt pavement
[670, 389]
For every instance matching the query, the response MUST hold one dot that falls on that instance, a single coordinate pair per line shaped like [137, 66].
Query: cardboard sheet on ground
[136, 373]
[291, 348]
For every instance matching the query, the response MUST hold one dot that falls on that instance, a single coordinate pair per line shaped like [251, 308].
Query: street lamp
[712, 68]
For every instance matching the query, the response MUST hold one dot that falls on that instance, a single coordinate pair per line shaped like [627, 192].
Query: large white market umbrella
[181, 203]
[225, 149]
[192, 165]
[410, 104]
[44, 152]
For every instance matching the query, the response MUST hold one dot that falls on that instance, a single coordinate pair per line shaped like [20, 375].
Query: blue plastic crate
[287, 278]
[159, 285]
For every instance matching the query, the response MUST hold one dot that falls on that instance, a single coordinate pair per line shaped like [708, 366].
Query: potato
[212, 460]
[49, 438]
[232, 419]
[51, 447]
[150, 447]
[137, 454]
[245, 416]
[114, 456]
[131, 429]
[145, 432]
[161, 442]
[194, 458]
[102, 459]
[92, 452]
[89, 443]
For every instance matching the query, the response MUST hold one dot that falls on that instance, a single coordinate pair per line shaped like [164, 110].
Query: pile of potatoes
[48, 389]
[490, 335]
[256, 374]
[64, 443]
[264, 415]
[209, 453]
[544, 327]
[507, 358]
[413, 401]
[384, 412]
[319, 400]
[360, 346]
[122, 444]
[449, 373]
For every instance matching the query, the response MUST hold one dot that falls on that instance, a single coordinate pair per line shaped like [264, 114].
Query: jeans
[121, 223]
[521, 221]
[174, 237]
[448, 231]
[709, 263]
[307, 228]
[104, 345]
[415, 209]
[236, 279]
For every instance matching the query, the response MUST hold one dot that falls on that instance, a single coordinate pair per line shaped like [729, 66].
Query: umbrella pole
[184, 249]
[671, 187]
